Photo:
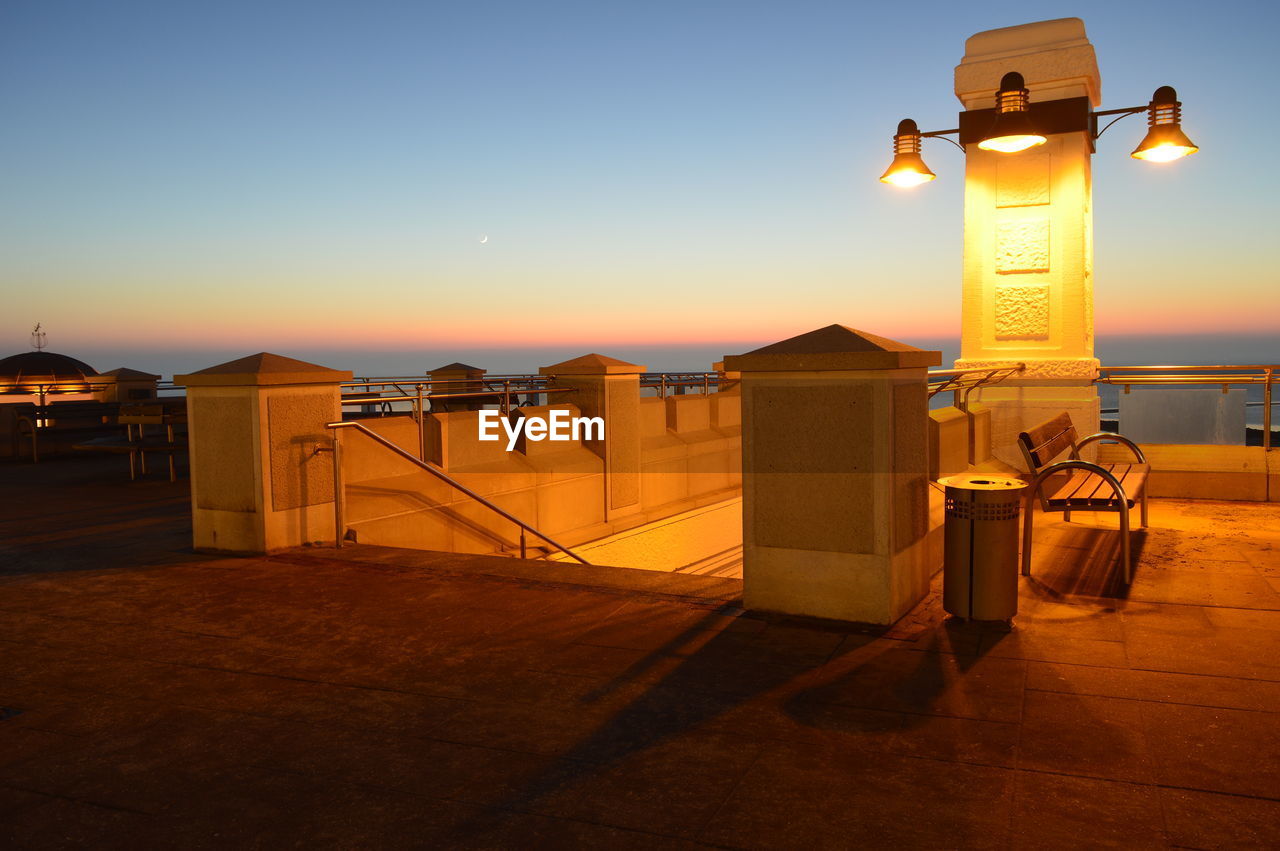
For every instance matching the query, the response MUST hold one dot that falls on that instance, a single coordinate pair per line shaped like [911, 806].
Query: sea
[1112, 350]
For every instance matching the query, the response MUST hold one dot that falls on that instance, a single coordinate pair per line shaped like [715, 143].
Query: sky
[292, 176]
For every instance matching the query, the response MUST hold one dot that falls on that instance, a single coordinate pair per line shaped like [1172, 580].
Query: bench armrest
[1111, 436]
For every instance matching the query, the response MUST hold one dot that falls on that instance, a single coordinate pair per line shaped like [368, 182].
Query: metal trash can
[980, 551]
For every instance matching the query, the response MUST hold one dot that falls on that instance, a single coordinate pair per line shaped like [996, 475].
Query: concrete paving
[153, 697]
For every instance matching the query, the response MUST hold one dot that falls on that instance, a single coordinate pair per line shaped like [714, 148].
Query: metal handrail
[962, 382]
[339, 490]
[1224, 375]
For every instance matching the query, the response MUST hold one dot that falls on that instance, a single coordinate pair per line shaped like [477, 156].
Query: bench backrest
[1042, 444]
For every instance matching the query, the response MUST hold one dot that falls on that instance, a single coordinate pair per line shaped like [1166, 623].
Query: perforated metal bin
[980, 555]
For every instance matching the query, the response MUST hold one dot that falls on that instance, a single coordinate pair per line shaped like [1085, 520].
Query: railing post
[522, 544]
[1266, 411]
[339, 491]
[420, 413]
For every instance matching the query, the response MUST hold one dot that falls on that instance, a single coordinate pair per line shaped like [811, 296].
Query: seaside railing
[1224, 376]
[388, 396]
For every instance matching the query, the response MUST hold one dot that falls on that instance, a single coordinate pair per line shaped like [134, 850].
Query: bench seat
[1083, 490]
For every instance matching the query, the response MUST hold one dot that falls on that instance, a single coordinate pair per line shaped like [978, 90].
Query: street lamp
[1016, 124]
[907, 169]
[1165, 141]
[1013, 130]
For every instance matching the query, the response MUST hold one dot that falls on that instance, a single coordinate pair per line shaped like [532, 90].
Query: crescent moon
[484, 238]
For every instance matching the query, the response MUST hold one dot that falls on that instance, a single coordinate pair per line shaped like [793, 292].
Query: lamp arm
[1118, 113]
[943, 134]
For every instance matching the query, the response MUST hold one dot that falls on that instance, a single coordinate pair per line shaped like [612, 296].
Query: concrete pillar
[257, 483]
[1028, 232]
[125, 385]
[609, 388]
[462, 379]
[835, 463]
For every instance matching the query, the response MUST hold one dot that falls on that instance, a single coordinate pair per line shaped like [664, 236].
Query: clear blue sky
[273, 174]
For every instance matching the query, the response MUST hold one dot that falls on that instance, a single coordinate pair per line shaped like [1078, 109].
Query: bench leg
[1124, 540]
[1026, 538]
[1145, 524]
[1066, 515]
[133, 465]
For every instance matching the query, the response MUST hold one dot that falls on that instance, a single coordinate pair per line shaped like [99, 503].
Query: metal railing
[676, 383]
[961, 382]
[499, 390]
[1185, 376]
[339, 489]
[380, 395]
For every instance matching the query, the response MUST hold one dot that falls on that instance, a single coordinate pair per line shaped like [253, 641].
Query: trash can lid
[978, 482]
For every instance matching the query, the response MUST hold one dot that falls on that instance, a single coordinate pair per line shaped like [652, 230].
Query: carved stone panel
[1023, 181]
[1022, 312]
[1022, 246]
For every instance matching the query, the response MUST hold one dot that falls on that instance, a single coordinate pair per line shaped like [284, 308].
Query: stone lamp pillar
[609, 388]
[835, 465]
[1028, 230]
[257, 483]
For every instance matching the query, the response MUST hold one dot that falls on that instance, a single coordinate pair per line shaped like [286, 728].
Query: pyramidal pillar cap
[593, 364]
[835, 347]
[263, 369]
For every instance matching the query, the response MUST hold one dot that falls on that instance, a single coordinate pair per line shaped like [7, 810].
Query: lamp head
[1165, 140]
[1012, 130]
[907, 168]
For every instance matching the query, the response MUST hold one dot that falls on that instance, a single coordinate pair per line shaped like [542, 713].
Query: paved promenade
[153, 697]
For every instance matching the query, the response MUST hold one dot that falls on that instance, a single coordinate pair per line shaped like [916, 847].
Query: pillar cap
[457, 367]
[263, 368]
[593, 364]
[1054, 57]
[836, 347]
[124, 373]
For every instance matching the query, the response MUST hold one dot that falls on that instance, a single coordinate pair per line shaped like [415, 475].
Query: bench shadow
[1084, 560]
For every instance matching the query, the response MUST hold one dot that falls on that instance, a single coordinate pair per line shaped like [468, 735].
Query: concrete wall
[689, 455]
[1244, 473]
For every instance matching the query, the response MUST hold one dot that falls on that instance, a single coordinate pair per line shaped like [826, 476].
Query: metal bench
[136, 443]
[1083, 485]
